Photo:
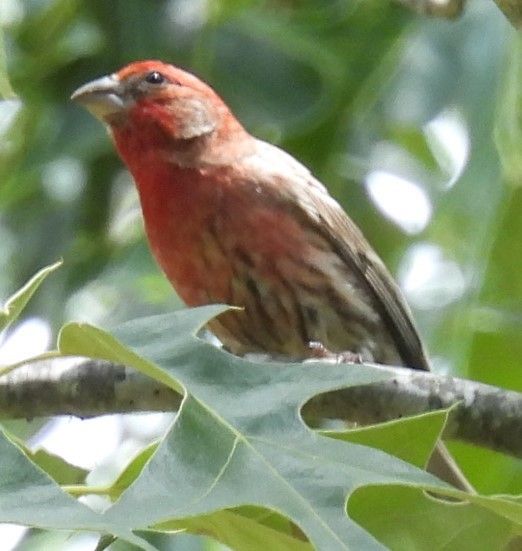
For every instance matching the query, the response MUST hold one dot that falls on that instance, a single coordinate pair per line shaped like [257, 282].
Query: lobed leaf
[17, 302]
[238, 438]
[238, 462]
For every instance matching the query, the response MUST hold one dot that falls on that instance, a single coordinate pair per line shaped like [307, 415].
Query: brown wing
[357, 252]
[318, 208]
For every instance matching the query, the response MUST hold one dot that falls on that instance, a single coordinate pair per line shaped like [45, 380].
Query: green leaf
[131, 471]
[241, 532]
[17, 302]
[238, 438]
[30, 497]
[85, 340]
[411, 439]
[397, 516]
[56, 467]
[59, 469]
[406, 520]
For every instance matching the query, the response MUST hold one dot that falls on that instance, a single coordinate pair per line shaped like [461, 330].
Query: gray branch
[83, 387]
[483, 415]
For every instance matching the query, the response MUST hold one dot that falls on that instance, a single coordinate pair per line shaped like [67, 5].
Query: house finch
[234, 220]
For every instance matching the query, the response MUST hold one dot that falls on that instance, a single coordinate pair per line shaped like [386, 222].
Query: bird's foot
[319, 351]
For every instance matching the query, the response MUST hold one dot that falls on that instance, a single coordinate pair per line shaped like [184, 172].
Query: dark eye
[155, 78]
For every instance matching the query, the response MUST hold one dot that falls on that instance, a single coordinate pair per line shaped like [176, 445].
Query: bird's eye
[155, 78]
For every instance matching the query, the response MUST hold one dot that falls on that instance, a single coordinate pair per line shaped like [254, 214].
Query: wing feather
[316, 207]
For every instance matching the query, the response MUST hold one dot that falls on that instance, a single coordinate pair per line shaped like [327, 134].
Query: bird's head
[156, 97]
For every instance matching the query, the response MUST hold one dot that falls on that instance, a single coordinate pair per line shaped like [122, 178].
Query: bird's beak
[103, 97]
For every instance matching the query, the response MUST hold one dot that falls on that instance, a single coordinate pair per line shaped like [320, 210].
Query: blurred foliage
[347, 87]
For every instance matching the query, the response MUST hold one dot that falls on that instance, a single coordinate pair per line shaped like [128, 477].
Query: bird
[235, 220]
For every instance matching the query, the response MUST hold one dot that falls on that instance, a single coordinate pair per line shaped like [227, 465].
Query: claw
[319, 351]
